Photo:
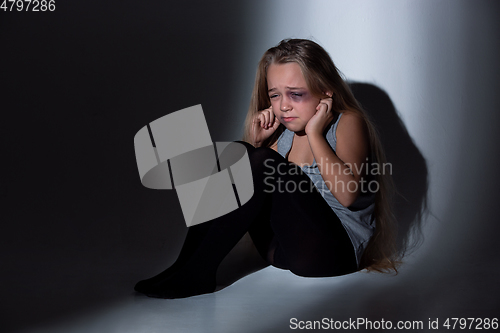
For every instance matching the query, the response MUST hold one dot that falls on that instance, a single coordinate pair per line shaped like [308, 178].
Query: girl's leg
[194, 272]
[295, 233]
[194, 237]
[309, 238]
[305, 235]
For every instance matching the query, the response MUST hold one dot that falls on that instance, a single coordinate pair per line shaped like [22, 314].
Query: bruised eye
[296, 95]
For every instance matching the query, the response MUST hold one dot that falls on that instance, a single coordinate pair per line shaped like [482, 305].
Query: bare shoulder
[352, 134]
[351, 123]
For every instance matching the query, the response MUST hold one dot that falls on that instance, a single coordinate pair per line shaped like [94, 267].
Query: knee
[263, 158]
[258, 155]
[247, 145]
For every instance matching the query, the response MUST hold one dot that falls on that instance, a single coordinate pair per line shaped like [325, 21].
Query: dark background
[76, 85]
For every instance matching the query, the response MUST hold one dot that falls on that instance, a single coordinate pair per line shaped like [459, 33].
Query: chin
[294, 127]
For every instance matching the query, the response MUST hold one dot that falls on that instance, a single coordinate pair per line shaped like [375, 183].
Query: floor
[96, 295]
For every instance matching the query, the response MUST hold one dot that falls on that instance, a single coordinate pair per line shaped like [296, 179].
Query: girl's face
[292, 102]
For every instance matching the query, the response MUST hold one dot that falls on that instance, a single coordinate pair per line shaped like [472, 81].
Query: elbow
[345, 194]
[346, 203]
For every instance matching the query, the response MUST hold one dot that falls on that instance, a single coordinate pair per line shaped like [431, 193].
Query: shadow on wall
[409, 169]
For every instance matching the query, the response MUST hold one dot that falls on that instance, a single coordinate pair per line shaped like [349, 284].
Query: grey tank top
[358, 219]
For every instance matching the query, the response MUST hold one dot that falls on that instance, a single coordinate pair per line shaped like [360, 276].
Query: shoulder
[352, 132]
[352, 118]
[351, 123]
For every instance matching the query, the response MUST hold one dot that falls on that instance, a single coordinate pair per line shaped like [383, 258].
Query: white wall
[437, 61]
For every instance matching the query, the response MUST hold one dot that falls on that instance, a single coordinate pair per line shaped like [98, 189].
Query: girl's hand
[264, 124]
[323, 116]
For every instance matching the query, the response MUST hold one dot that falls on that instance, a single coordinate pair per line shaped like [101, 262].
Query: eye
[296, 95]
[273, 96]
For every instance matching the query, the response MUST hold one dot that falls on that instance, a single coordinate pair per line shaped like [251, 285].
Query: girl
[321, 203]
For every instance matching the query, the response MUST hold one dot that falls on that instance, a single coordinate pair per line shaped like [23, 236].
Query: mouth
[287, 119]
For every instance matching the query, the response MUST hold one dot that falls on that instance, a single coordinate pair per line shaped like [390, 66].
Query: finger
[322, 106]
[328, 102]
[262, 119]
[272, 118]
[255, 119]
[265, 123]
[276, 123]
[319, 105]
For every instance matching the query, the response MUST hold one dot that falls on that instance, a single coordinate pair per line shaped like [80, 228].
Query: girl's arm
[342, 171]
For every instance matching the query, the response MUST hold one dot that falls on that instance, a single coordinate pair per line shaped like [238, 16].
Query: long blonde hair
[322, 75]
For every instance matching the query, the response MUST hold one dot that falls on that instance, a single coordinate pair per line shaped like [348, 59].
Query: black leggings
[288, 220]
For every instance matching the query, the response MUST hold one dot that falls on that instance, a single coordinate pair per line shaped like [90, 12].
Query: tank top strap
[336, 124]
[331, 135]
[285, 142]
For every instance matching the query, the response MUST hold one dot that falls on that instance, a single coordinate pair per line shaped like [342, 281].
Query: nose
[285, 104]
